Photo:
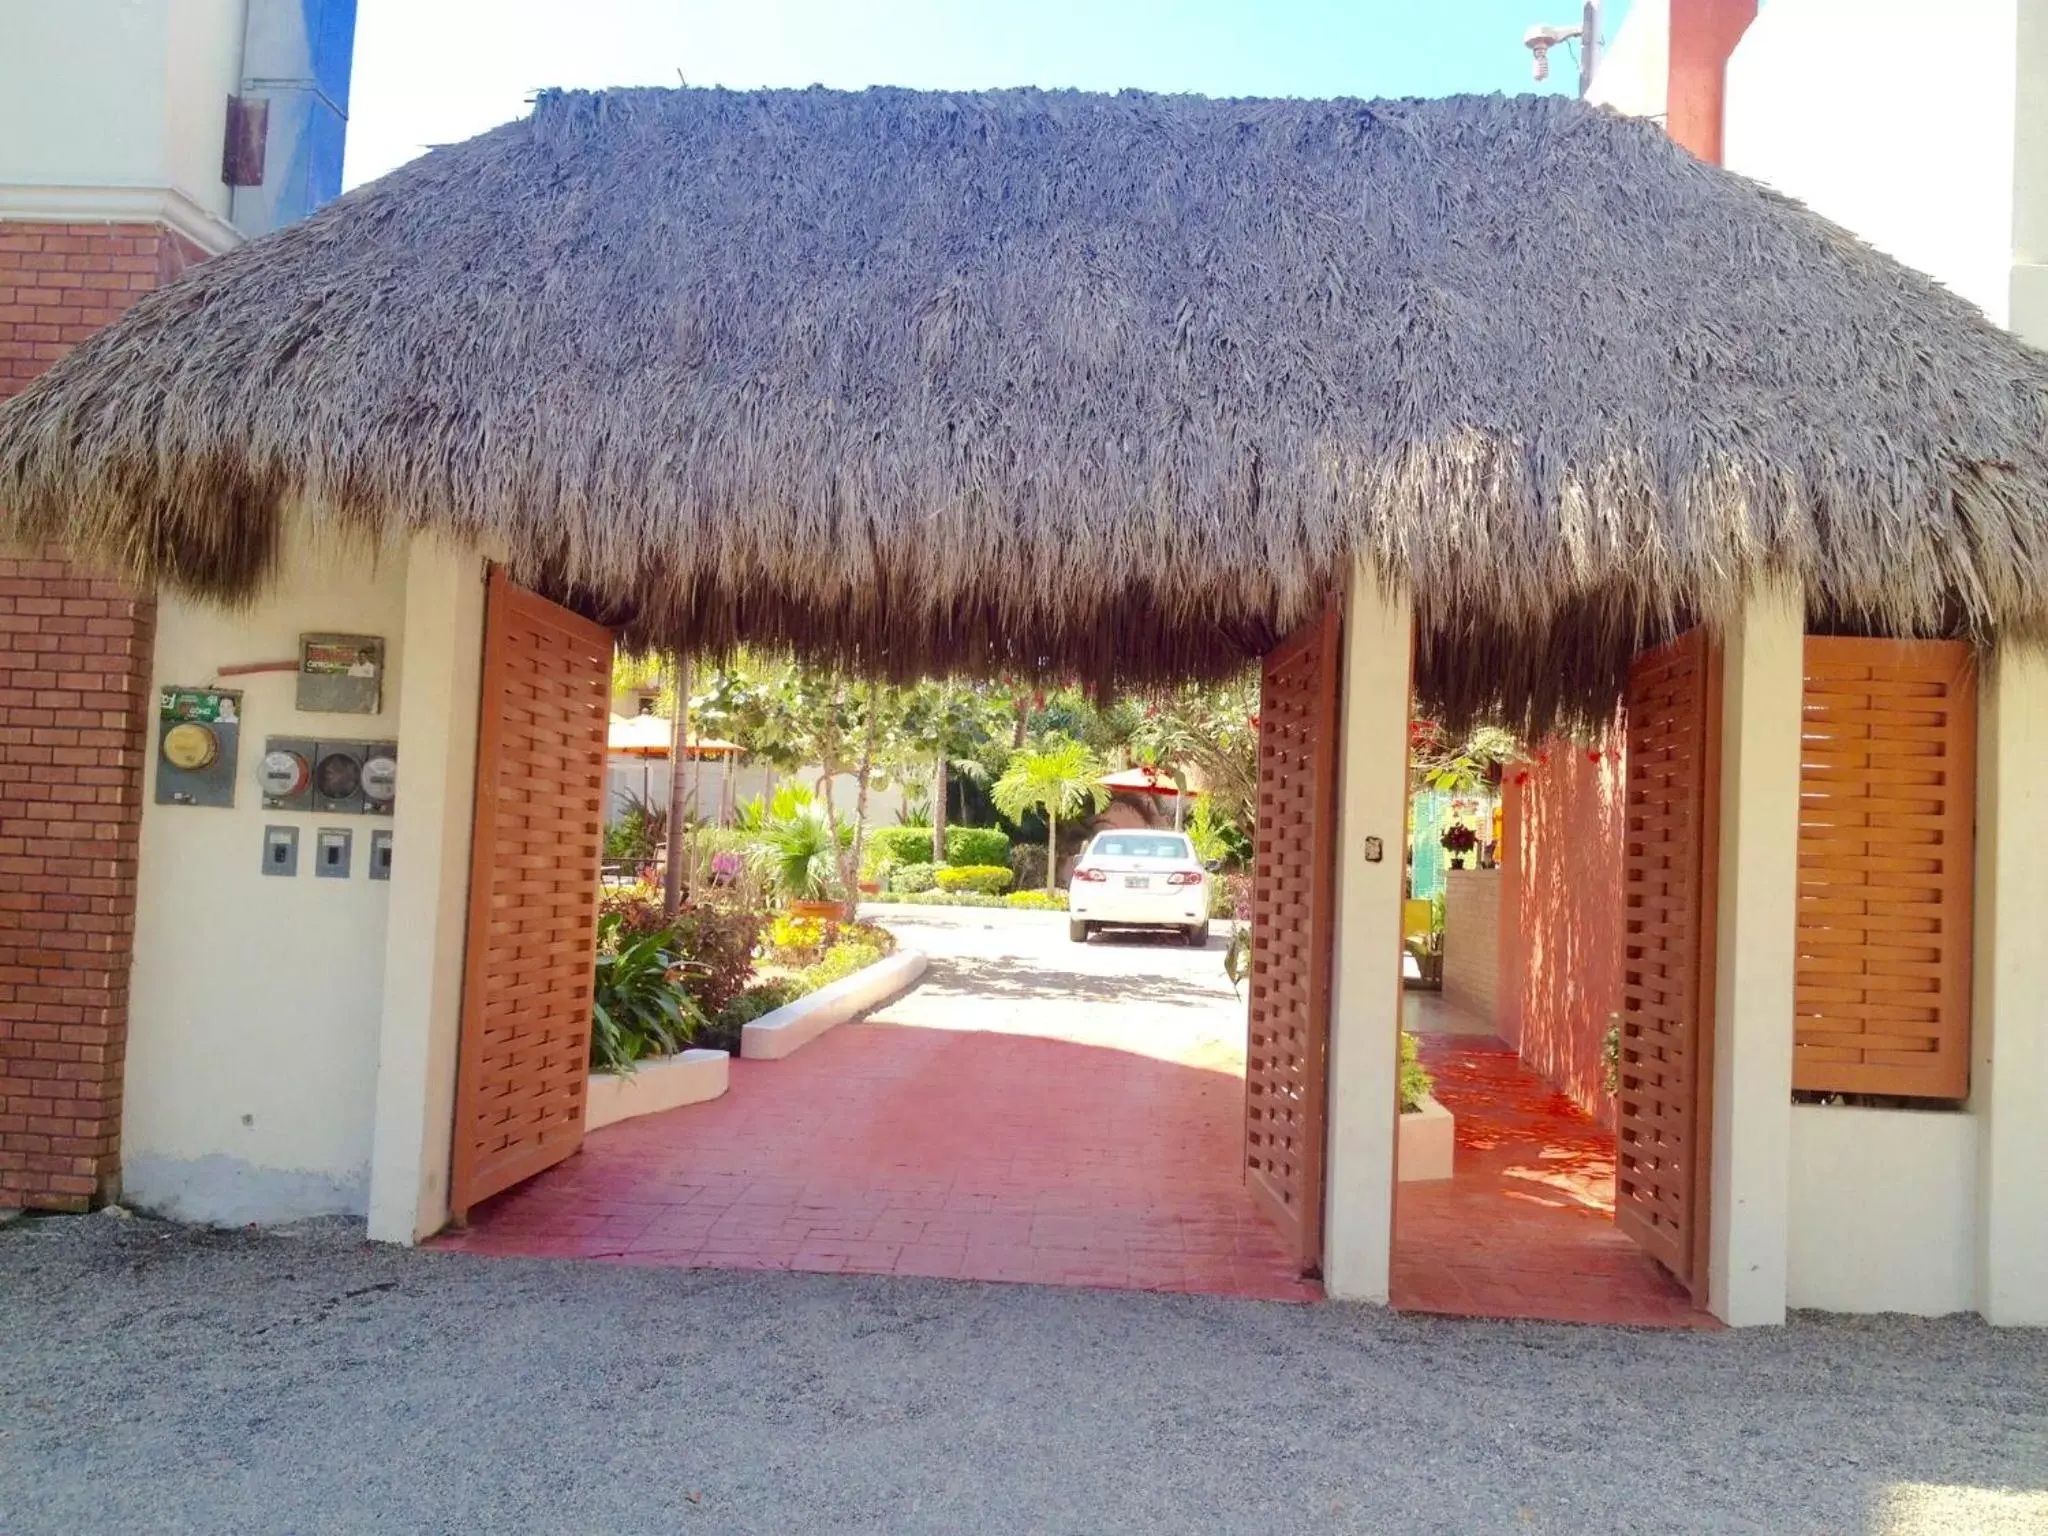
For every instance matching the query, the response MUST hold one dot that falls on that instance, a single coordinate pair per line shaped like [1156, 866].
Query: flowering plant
[1459, 838]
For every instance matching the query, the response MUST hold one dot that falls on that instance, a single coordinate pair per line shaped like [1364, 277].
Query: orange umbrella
[1139, 781]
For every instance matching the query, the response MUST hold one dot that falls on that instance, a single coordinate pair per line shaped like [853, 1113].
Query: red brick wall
[74, 684]
[1562, 915]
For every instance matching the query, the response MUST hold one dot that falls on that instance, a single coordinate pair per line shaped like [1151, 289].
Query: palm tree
[1058, 777]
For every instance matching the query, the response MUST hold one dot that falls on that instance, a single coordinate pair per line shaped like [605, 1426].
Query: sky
[437, 71]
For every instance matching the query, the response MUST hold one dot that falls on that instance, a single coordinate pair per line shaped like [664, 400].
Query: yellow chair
[1414, 918]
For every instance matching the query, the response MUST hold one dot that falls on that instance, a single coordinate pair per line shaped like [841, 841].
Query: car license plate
[1137, 882]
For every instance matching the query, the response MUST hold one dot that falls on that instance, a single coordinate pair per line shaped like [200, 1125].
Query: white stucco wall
[1763, 671]
[117, 109]
[253, 1030]
[1883, 1210]
[1894, 118]
[1634, 74]
[1365, 982]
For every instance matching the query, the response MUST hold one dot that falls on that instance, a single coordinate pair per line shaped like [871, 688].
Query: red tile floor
[1524, 1228]
[1002, 1122]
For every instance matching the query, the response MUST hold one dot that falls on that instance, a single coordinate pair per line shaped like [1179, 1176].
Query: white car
[1139, 880]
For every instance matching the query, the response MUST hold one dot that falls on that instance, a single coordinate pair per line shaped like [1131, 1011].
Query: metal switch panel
[331, 847]
[380, 854]
[280, 850]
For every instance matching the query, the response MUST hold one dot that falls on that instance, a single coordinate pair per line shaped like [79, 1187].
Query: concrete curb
[691, 1077]
[794, 1025]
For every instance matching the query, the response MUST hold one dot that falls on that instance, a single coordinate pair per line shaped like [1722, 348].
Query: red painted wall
[1562, 930]
[1703, 35]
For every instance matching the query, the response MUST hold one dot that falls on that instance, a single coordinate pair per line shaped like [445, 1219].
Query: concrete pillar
[437, 731]
[1365, 985]
[1763, 674]
[2009, 1034]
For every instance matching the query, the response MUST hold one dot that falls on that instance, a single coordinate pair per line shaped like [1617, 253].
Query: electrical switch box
[198, 736]
[331, 847]
[280, 850]
[286, 773]
[380, 854]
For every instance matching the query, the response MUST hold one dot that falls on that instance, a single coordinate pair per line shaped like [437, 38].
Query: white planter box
[1428, 1143]
[689, 1078]
[775, 1035]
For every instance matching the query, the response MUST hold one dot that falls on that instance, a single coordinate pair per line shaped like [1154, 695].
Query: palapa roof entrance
[1108, 385]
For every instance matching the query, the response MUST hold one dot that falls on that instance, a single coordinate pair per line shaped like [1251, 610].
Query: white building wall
[1883, 1215]
[1365, 981]
[1895, 119]
[1634, 75]
[117, 109]
[256, 1000]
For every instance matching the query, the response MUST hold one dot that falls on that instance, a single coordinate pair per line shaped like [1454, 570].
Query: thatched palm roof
[1111, 384]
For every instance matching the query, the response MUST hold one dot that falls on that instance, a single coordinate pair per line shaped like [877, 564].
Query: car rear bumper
[1173, 907]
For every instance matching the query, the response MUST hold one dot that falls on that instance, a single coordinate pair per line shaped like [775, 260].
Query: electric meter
[197, 733]
[339, 775]
[380, 779]
[190, 746]
[284, 775]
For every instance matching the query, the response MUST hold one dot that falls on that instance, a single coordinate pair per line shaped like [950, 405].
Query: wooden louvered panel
[1672, 786]
[532, 945]
[1887, 810]
[1293, 892]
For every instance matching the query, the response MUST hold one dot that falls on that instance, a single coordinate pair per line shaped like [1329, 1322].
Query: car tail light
[1090, 875]
[1185, 877]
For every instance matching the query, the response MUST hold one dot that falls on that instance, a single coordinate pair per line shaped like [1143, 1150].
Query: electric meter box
[349, 778]
[198, 737]
[286, 772]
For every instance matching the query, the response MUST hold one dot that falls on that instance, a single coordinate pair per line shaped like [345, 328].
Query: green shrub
[1037, 901]
[715, 943]
[758, 1001]
[638, 1008]
[895, 845]
[952, 899]
[1415, 1079]
[989, 879]
[976, 846]
[908, 879]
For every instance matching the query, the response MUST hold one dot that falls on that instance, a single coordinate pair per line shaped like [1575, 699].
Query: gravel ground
[155, 1378]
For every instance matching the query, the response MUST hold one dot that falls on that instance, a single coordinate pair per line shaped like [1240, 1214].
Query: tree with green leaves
[1057, 776]
[944, 728]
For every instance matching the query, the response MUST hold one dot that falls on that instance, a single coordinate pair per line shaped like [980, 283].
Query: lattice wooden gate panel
[525, 1054]
[1887, 808]
[1293, 893]
[1662, 1117]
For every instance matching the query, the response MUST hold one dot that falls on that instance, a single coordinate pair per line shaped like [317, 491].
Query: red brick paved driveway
[1035, 1110]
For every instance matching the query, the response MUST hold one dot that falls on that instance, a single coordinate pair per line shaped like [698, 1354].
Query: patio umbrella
[1144, 780]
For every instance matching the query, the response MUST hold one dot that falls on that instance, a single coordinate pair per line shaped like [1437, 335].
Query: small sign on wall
[341, 674]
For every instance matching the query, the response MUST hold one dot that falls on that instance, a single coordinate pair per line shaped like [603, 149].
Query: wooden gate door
[525, 1055]
[1293, 894]
[1663, 1116]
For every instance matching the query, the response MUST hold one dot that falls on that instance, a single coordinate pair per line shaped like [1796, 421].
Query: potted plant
[1459, 841]
[798, 854]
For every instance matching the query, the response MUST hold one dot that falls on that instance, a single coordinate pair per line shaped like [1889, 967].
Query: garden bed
[1427, 1143]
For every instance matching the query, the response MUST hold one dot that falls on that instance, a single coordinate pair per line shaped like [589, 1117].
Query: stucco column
[1365, 985]
[437, 731]
[2009, 1033]
[1763, 678]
